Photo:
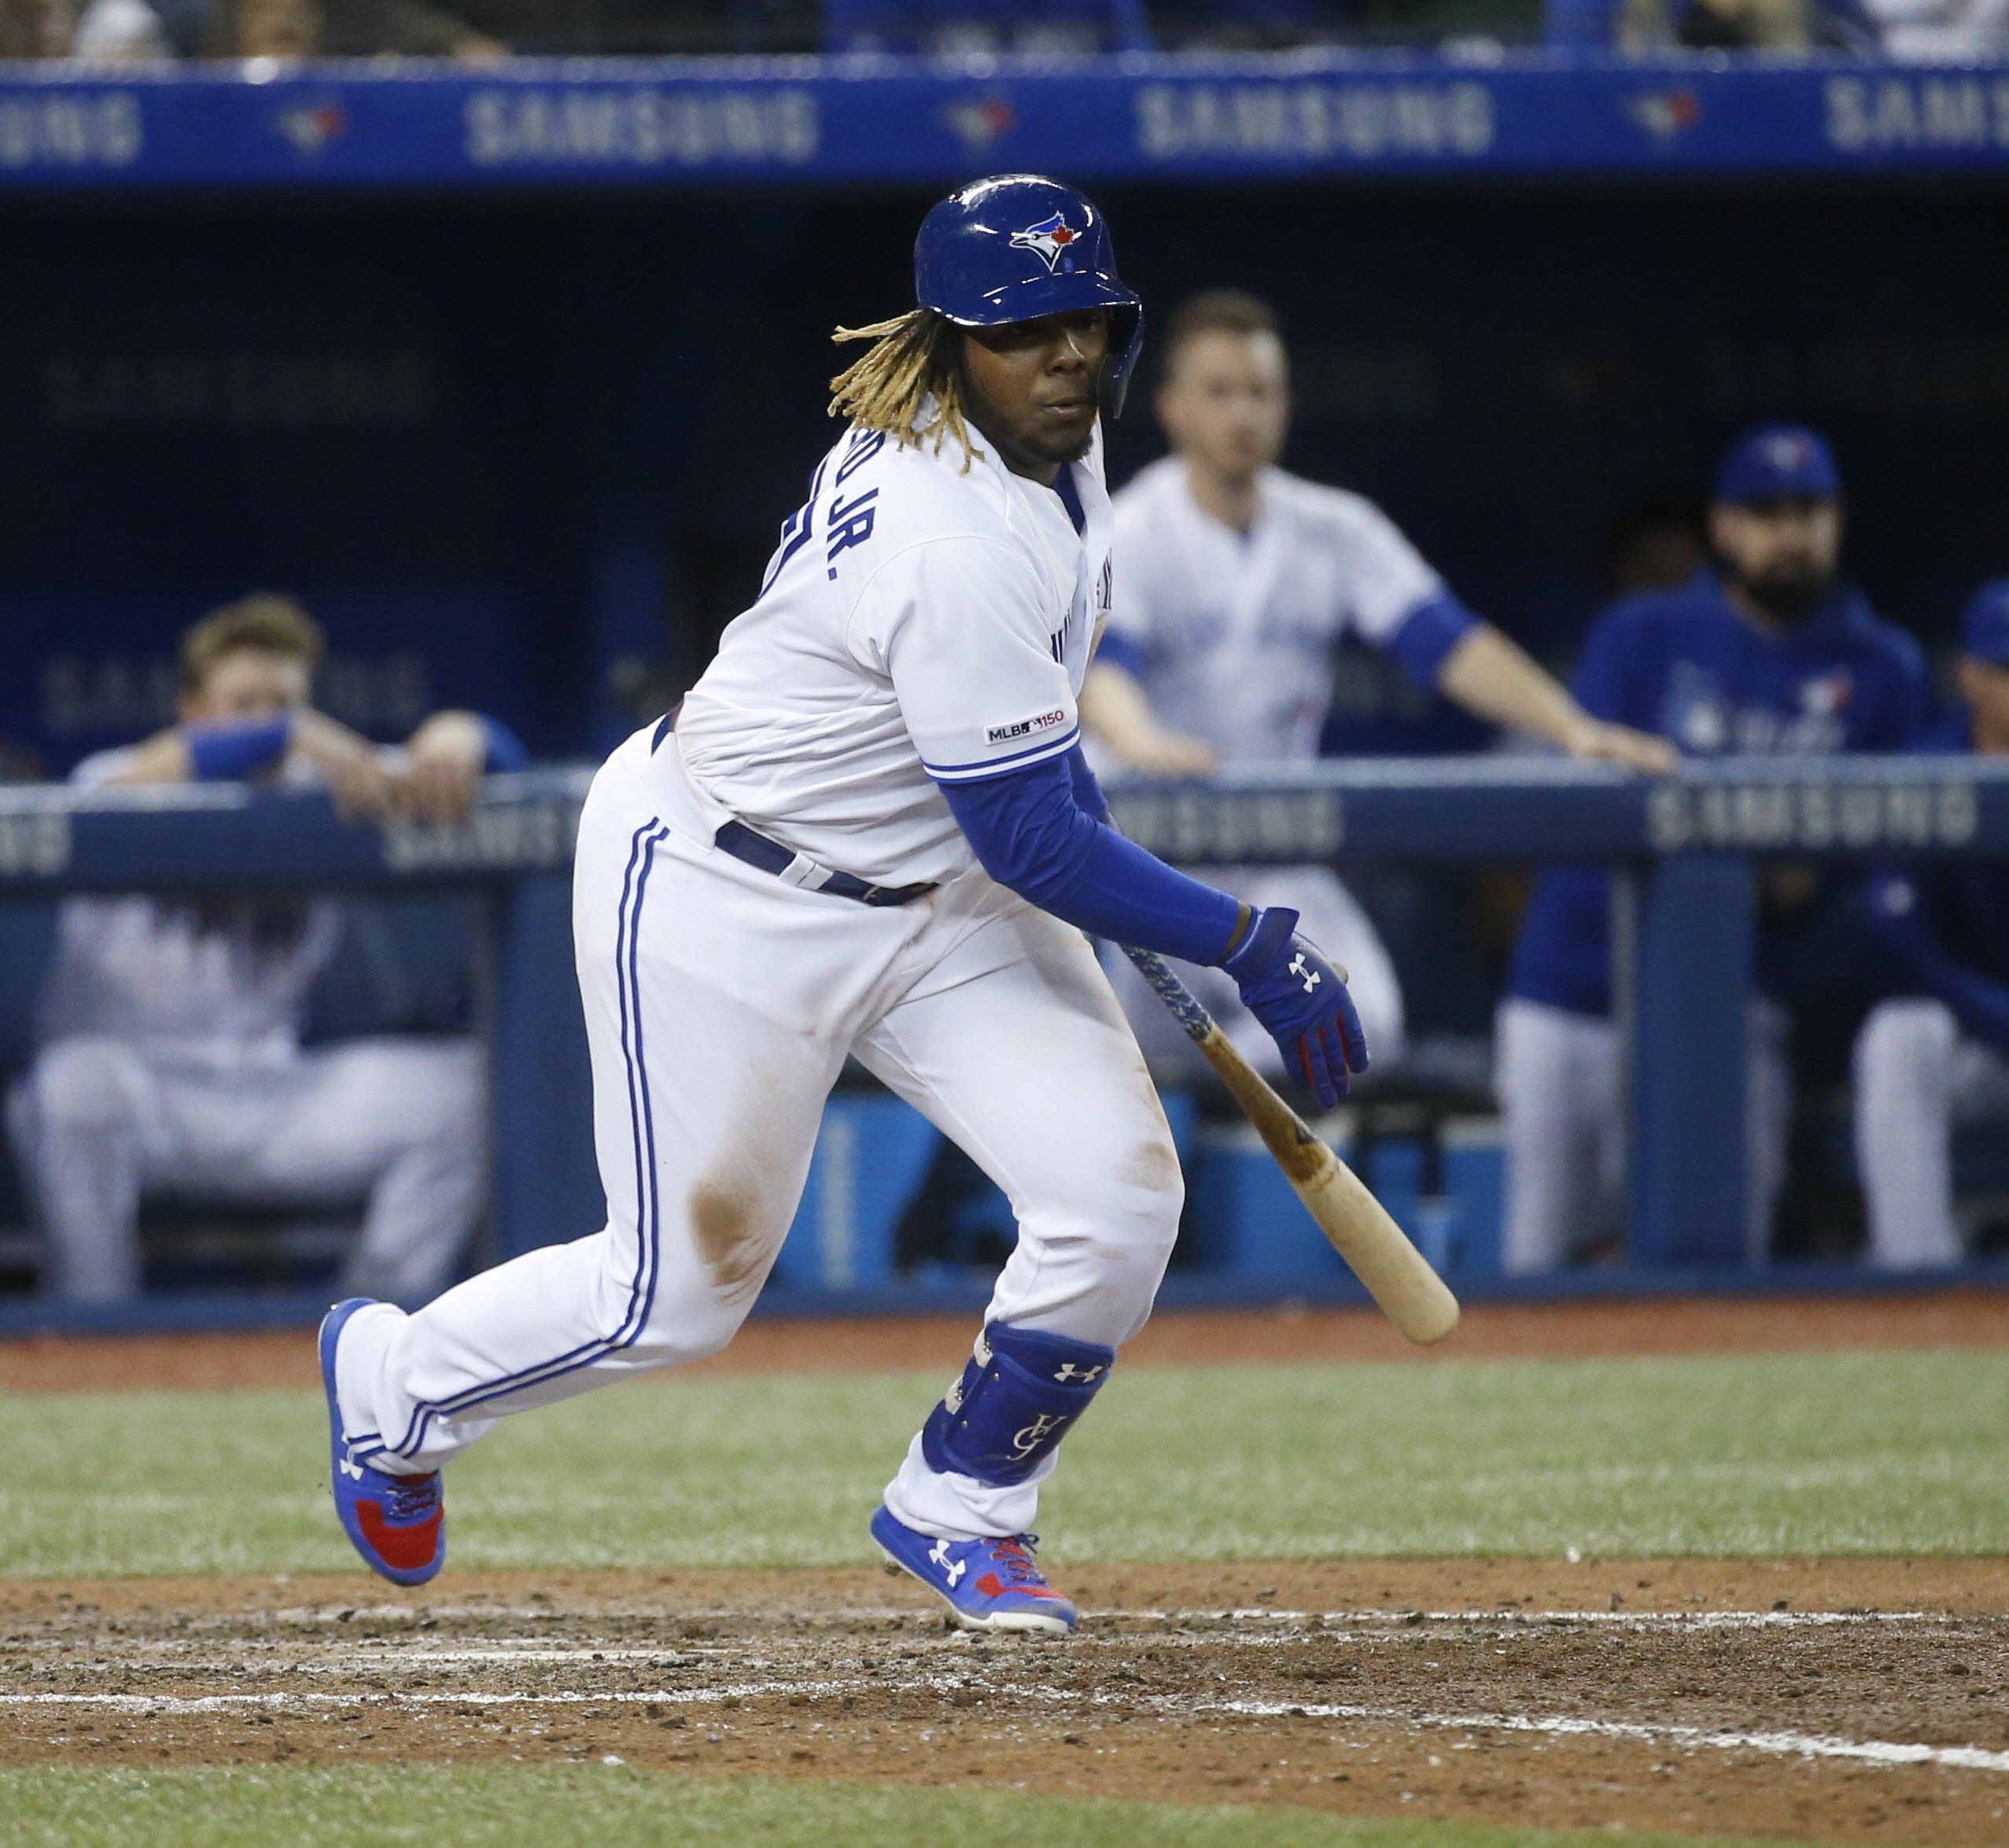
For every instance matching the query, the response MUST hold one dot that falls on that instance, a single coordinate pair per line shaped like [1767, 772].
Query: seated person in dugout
[1771, 652]
[170, 1058]
[1938, 1055]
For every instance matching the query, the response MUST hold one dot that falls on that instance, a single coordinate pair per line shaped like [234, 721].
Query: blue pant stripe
[641, 1295]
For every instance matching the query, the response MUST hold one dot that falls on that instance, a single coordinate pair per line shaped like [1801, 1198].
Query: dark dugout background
[519, 454]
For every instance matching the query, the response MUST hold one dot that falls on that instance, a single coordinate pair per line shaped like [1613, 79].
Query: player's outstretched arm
[1494, 679]
[1115, 709]
[1041, 830]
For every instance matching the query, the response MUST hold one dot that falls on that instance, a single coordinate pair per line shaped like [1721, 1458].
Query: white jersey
[1235, 631]
[919, 624]
[216, 978]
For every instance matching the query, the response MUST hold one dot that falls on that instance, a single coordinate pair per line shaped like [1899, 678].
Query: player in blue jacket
[1770, 653]
[1940, 1054]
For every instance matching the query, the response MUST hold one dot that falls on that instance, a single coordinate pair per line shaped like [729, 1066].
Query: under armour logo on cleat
[351, 1468]
[1311, 978]
[1084, 1374]
[952, 1570]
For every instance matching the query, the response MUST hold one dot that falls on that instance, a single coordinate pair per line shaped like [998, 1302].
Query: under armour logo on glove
[1310, 977]
[1302, 1000]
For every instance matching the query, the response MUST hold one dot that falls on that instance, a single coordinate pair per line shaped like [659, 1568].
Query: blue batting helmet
[1018, 245]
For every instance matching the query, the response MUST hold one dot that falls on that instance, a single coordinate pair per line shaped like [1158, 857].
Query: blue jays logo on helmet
[1018, 246]
[1050, 237]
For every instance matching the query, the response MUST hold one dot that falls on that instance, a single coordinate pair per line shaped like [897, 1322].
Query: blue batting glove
[1302, 1001]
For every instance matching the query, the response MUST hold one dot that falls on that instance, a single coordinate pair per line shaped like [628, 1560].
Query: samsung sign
[1811, 816]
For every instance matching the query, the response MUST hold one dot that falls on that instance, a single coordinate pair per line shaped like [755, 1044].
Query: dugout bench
[1684, 931]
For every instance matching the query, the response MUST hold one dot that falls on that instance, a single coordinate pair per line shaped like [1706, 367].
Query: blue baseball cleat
[988, 1585]
[397, 1523]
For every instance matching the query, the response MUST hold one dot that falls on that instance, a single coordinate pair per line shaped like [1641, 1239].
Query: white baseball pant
[99, 1121]
[1917, 1076]
[1559, 1079]
[720, 1005]
[1329, 914]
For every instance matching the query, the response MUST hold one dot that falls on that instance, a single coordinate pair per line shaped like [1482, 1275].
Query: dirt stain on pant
[726, 1220]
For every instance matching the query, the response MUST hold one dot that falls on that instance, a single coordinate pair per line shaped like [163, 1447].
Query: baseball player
[170, 1062]
[1940, 1055]
[1238, 582]
[869, 831]
[1768, 653]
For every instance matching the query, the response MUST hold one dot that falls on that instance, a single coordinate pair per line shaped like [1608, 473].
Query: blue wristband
[228, 754]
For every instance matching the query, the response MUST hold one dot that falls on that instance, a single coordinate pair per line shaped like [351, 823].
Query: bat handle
[1185, 1006]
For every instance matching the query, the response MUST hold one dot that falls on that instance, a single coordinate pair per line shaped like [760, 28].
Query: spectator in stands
[1649, 26]
[1939, 1055]
[1770, 652]
[1234, 583]
[1942, 31]
[1047, 27]
[136, 31]
[171, 1061]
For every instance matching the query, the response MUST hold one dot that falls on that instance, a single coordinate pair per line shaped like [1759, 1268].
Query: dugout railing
[1685, 848]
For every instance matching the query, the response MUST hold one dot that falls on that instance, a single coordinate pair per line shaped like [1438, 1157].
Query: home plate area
[1865, 1699]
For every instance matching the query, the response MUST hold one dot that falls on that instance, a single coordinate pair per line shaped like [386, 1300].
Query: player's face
[1226, 403]
[1985, 686]
[1783, 552]
[1035, 387]
[248, 685]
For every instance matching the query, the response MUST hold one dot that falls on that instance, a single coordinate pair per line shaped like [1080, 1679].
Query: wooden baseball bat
[1413, 1295]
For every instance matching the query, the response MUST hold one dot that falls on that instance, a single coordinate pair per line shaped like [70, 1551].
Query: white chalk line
[1620, 1619]
[1808, 1745]
[1776, 1744]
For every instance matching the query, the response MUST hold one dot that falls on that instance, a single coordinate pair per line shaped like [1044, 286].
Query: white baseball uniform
[171, 1063]
[1917, 1076]
[1234, 634]
[921, 622]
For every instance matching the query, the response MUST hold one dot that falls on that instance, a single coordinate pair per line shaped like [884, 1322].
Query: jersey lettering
[851, 524]
[864, 446]
[796, 529]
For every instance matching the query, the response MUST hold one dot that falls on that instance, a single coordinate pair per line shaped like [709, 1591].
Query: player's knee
[84, 1083]
[1903, 1038]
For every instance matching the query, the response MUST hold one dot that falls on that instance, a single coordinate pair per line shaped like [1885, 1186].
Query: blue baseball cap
[1778, 461]
[1985, 628]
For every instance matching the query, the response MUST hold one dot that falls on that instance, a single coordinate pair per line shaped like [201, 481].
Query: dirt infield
[1967, 1319]
[1841, 1701]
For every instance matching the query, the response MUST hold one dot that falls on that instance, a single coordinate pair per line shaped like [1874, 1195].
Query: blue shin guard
[1021, 1393]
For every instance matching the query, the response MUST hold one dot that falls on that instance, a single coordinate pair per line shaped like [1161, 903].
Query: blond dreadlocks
[912, 357]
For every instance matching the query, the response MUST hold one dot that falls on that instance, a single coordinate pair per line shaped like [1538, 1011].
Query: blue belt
[798, 869]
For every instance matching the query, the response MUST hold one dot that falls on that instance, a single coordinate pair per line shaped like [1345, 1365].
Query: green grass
[1800, 1454]
[600, 1806]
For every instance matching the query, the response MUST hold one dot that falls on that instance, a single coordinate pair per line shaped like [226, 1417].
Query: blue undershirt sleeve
[1032, 832]
[1121, 650]
[506, 750]
[1426, 637]
[229, 753]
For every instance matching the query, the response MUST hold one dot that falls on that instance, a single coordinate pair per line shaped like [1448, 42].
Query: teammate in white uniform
[1236, 582]
[172, 1062]
[870, 831]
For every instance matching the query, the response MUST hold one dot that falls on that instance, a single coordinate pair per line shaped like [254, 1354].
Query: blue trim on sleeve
[1426, 635]
[1032, 834]
[999, 766]
[1122, 650]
